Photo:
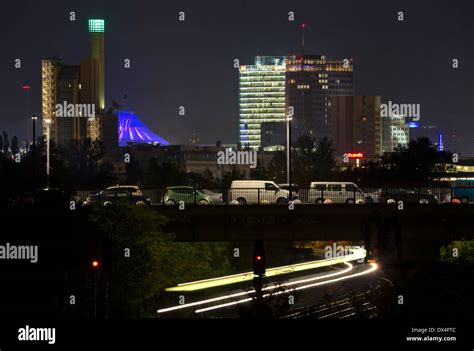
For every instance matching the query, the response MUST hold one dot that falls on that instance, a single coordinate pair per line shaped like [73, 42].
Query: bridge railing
[260, 196]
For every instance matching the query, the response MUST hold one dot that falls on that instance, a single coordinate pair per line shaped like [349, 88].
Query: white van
[256, 192]
[336, 192]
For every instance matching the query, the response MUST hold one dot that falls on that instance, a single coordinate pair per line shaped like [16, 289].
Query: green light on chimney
[96, 26]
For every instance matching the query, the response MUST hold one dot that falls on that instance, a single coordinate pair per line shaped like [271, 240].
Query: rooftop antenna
[303, 26]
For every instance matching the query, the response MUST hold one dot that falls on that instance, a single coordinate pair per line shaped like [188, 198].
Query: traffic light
[95, 264]
[259, 258]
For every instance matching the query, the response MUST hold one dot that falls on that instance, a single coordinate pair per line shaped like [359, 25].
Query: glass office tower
[261, 97]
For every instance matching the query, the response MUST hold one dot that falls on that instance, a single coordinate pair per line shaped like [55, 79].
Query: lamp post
[33, 119]
[289, 117]
[48, 130]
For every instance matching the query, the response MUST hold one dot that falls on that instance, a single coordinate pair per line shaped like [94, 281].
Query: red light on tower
[258, 258]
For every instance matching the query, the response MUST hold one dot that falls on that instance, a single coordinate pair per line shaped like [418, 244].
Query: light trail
[357, 254]
[370, 270]
[271, 287]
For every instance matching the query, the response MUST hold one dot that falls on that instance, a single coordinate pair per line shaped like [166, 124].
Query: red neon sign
[355, 154]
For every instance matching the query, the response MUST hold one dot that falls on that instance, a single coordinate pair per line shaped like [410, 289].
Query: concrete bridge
[416, 232]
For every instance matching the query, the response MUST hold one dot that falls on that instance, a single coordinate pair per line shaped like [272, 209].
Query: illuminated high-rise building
[261, 97]
[356, 125]
[310, 83]
[73, 85]
[49, 75]
[394, 132]
[61, 85]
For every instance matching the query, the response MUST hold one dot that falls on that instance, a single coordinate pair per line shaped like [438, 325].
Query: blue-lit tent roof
[132, 130]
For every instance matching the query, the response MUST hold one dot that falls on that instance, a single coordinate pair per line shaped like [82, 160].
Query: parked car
[463, 191]
[337, 192]
[116, 196]
[407, 195]
[245, 192]
[134, 189]
[294, 190]
[217, 198]
[175, 194]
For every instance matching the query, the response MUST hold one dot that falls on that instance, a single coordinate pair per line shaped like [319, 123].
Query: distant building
[273, 135]
[131, 130]
[107, 124]
[356, 125]
[193, 158]
[61, 85]
[273, 86]
[310, 83]
[261, 97]
[75, 86]
[394, 132]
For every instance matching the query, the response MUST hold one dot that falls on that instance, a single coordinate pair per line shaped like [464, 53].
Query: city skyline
[183, 70]
[237, 162]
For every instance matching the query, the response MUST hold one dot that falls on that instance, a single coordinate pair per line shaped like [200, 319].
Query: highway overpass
[414, 233]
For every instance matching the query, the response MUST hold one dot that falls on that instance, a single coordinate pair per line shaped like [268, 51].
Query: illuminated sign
[355, 155]
[413, 125]
[440, 142]
[96, 25]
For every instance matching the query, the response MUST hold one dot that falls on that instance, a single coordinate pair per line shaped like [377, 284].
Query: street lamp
[289, 117]
[33, 119]
[48, 124]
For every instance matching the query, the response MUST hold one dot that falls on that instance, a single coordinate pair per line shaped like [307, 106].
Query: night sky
[190, 63]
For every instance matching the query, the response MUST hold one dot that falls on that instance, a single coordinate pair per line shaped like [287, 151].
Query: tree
[159, 175]
[15, 147]
[208, 180]
[277, 167]
[458, 251]
[83, 159]
[154, 261]
[315, 160]
[27, 145]
[259, 173]
[324, 157]
[6, 142]
[227, 178]
[416, 165]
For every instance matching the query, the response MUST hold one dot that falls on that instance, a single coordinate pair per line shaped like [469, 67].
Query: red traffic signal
[259, 258]
[259, 265]
[95, 264]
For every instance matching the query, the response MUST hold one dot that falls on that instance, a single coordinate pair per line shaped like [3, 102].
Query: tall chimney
[96, 32]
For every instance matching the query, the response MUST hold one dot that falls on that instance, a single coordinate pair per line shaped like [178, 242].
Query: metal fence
[260, 196]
